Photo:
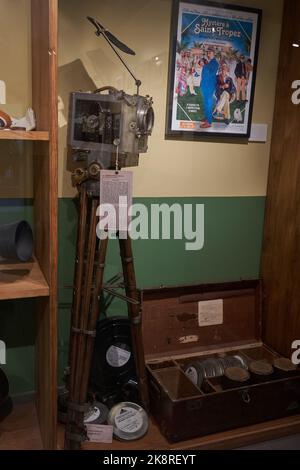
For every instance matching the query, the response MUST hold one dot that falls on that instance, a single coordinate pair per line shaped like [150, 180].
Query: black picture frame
[229, 35]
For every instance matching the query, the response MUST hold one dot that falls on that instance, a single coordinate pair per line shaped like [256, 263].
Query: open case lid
[178, 321]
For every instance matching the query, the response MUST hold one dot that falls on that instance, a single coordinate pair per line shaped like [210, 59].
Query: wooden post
[281, 248]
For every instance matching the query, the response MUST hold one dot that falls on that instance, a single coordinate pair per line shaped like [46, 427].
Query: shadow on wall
[104, 67]
[71, 77]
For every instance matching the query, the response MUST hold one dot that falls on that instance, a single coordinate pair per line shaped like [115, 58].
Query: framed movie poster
[212, 69]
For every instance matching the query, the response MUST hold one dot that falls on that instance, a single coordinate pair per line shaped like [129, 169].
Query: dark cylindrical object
[16, 241]
[261, 371]
[235, 377]
[284, 368]
[6, 408]
[4, 387]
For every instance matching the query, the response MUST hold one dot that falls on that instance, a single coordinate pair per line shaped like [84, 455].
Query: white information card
[210, 312]
[115, 199]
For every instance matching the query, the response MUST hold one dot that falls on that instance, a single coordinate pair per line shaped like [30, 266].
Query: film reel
[113, 363]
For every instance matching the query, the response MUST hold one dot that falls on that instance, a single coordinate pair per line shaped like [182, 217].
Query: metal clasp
[246, 397]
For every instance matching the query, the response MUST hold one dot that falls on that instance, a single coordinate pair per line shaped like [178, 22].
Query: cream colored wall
[171, 168]
[15, 55]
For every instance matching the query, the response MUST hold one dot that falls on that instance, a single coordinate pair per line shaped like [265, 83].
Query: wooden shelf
[20, 430]
[227, 440]
[24, 135]
[22, 280]
[19, 281]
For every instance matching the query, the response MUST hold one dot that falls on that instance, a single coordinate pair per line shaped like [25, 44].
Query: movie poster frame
[187, 134]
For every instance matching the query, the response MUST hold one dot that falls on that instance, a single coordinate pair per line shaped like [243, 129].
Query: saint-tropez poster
[212, 71]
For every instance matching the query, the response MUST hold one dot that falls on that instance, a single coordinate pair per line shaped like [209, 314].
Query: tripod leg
[75, 416]
[78, 277]
[87, 289]
[134, 312]
[93, 318]
[76, 307]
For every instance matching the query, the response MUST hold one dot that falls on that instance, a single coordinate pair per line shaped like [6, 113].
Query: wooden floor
[20, 431]
[227, 440]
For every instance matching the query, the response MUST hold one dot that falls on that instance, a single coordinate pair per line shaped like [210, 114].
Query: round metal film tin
[129, 420]
[284, 364]
[261, 368]
[97, 414]
[194, 372]
[237, 374]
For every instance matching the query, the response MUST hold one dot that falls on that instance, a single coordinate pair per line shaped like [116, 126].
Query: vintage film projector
[107, 130]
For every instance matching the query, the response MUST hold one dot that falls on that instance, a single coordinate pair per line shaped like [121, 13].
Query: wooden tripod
[88, 286]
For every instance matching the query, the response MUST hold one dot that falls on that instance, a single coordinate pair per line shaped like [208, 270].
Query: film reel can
[97, 414]
[129, 420]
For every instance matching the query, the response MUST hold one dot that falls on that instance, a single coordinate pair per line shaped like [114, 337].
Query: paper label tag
[210, 312]
[129, 420]
[117, 357]
[188, 339]
[115, 199]
[99, 433]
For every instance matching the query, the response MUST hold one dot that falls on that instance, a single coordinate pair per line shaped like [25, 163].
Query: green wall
[233, 238]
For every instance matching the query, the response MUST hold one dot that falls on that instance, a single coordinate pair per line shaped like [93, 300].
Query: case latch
[194, 405]
[246, 397]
